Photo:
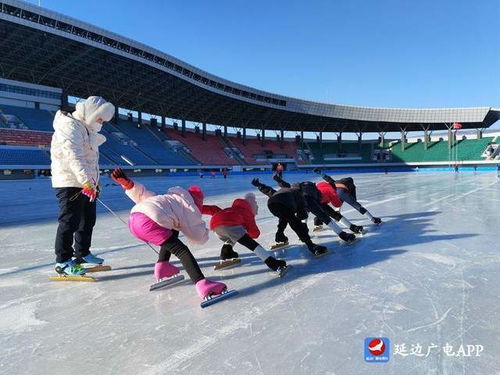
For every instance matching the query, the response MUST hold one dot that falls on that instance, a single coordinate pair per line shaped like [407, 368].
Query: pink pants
[145, 229]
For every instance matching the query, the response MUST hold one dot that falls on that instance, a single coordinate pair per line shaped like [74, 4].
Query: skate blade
[218, 298]
[283, 271]
[279, 246]
[328, 252]
[71, 278]
[166, 282]
[228, 264]
[98, 268]
[350, 243]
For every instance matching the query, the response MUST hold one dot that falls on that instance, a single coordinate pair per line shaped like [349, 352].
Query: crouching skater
[236, 224]
[158, 219]
[289, 206]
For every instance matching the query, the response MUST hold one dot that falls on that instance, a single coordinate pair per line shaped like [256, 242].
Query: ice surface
[430, 275]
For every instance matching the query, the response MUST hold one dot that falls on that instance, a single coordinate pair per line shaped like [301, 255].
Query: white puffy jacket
[75, 143]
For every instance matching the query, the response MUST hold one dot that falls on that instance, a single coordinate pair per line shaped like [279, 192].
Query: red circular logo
[376, 347]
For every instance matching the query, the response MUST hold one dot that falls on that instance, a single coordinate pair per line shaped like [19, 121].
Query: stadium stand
[16, 155]
[15, 137]
[468, 149]
[199, 147]
[36, 119]
[350, 153]
[150, 143]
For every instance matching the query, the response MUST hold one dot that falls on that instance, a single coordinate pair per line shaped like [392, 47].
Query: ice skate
[319, 251]
[70, 271]
[357, 229]
[229, 258]
[347, 238]
[278, 266]
[165, 274]
[280, 245]
[96, 263]
[212, 292]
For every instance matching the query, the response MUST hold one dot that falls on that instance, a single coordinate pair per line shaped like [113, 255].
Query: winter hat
[93, 108]
[250, 198]
[197, 195]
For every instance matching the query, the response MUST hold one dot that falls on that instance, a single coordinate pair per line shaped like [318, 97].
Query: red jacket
[240, 213]
[329, 194]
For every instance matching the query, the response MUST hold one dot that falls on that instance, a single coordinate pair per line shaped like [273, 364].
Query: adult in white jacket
[75, 175]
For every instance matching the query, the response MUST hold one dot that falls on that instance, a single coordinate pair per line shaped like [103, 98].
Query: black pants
[77, 217]
[175, 246]
[330, 212]
[286, 217]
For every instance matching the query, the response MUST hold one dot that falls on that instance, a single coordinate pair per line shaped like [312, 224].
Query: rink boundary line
[177, 358]
[461, 195]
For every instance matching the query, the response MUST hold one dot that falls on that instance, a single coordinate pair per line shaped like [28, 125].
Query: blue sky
[383, 53]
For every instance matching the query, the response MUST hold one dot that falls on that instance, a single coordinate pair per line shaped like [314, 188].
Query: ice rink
[428, 278]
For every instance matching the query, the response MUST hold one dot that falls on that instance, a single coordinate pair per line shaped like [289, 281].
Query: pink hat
[197, 195]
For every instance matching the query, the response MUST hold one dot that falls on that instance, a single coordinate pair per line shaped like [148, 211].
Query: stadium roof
[48, 48]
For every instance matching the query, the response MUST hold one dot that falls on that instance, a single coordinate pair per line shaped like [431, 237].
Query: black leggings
[248, 242]
[330, 212]
[175, 246]
[286, 217]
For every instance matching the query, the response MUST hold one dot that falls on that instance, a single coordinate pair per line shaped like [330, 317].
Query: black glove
[318, 171]
[256, 182]
[347, 237]
[377, 220]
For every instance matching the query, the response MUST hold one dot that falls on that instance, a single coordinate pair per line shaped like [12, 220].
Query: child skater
[158, 219]
[316, 202]
[345, 190]
[289, 206]
[236, 224]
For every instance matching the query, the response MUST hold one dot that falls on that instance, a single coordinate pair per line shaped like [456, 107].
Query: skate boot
[349, 238]
[318, 251]
[377, 221]
[207, 288]
[357, 229]
[165, 274]
[281, 241]
[96, 262]
[227, 252]
[164, 270]
[228, 258]
[90, 258]
[278, 266]
[70, 268]
[70, 271]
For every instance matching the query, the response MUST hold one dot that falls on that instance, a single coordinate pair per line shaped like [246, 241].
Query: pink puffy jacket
[174, 210]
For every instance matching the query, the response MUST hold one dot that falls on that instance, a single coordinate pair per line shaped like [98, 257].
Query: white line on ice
[431, 324]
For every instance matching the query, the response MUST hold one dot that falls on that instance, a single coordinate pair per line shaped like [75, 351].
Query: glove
[256, 182]
[377, 220]
[90, 191]
[317, 171]
[119, 176]
[347, 237]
